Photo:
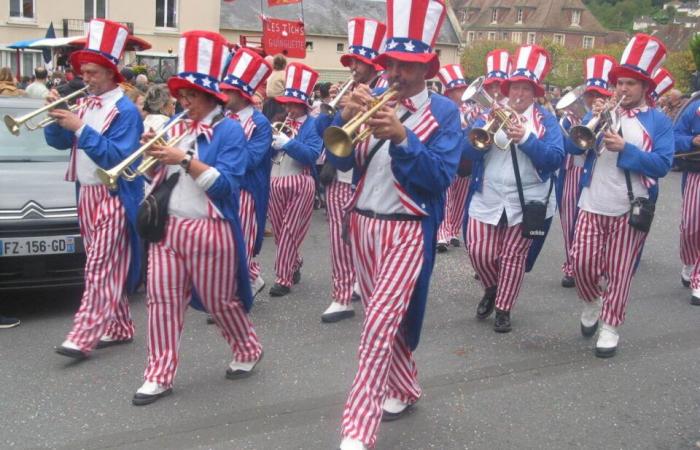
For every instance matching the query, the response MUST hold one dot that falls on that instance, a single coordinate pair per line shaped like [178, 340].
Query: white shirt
[500, 191]
[155, 122]
[607, 192]
[37, 90]
[284, 165]
[95, 119]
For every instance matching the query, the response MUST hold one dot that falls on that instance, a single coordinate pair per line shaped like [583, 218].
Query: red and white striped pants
[338, 194]
[388, 258]
[104, 307]
[605, 247]
[199, 254]
[567, 214]
[498, 254]
[690, 227]
[455, 201]
[291, 205]
[249, 226]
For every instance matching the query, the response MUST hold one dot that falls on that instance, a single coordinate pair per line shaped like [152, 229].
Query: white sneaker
[591, 312]
[336, 312]
[257, 285]
[70, 345]
[607, 341]
[686, 272]
[394, 405]
[238, 369]
[352, 444]
[151, 388]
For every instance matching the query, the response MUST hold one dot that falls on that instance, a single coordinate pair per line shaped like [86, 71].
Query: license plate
[37, 246]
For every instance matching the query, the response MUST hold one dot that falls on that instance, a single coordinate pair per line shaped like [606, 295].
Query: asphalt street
[538, 387]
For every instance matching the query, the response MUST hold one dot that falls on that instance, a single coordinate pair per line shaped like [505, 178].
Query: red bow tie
[195, 128]
[295, 124]
[409, 105]
[233, 115]
[93, 102]
[632, 112]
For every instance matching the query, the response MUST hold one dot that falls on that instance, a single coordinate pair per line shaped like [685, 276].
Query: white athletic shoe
[336, 312]
[70, 345]
[607, 341]
[591, 312]
[686, 272]
[151, 388]
[394, 405]
[257, 285]
[352, 444]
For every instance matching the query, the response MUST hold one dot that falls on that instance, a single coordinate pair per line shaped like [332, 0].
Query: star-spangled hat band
[296, 93]
[497, 75]
[456, 84]
[597, 84]
[363, 54]
[237, 83]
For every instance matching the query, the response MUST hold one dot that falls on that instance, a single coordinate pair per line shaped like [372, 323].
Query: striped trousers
[605, 248]
[249, 226]
[690, 227]
[291, 205]
[498, 253]
[199, 254]
[455, 201]
[338, 195]
[104, 307]
[567, 214]
[388, 258]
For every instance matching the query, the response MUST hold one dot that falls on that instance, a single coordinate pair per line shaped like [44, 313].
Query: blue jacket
[687, 126]
[107, 150]
[306, 147]
[257, 177]
[546, 154]
[425, 171]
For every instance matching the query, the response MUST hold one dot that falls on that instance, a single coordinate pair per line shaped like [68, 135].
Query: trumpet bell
[573, 103]
[338, 141]
[12, 125]
[582, 136]
[481, 138]
[476, 93]
[328, 109]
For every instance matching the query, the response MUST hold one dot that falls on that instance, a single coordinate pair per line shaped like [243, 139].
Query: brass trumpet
[340, 140]
[331, 108]
[123, 170]
[586, 136]
[572, 106]
[283, 127]
[14, 124]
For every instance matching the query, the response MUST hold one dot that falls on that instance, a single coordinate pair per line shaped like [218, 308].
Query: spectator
[38, 88]
[128, 84]
[324, 96]
[275, 83]
[8, 86]
[24, 82]
[674, 103]
[137, 97]
[8, 322]
[142, 82]
[158, 107]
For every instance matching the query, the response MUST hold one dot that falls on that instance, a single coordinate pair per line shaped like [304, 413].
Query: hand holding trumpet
[64, 117]
[357, 102]
[385, 125]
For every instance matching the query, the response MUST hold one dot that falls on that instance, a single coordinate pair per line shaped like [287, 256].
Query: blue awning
[23, 44]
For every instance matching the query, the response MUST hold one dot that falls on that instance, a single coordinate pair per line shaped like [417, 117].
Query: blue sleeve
[306, 146]
[259, 144]
[323, 121]
[657, 162]
[547, 152]
[431, 166]
[58, 137]
[683, 130]
[231, 161]
[119, 141]
[468, 151]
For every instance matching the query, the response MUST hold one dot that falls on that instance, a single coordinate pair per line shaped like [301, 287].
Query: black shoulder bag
[534, 211]
[153, 212]
[641, 209]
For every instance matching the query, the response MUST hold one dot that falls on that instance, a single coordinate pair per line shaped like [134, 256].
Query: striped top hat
[451, 77]
[105, 45]
[246, 71]
[642, 56]
[412, 28]
[365, 39]
[202, 56]
[596, 69]
[499, 65]
[300, 80]
[532, 63]
[664, 82]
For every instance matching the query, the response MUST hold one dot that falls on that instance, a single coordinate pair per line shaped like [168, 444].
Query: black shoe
[147, 399]
[568, 282]
[455, 242]
[71, 353]
[210, 320]
[476, 276]
[695, 301]
[337, 316]
[685, 283]
[279, 291]
[487, 303]
[589, 331]
[605, 352]
[355, 297]
[8, 322]
[296, 278]
[105, 344]
[238, 374]
[441, 247]
[502, 322]
[390, 417]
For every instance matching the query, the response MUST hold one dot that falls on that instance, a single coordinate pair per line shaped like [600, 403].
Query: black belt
[397, 216]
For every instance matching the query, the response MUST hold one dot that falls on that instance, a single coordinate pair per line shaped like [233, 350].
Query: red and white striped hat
[596, 69]
[365, 40]
[532, 63]
[412, 28]
[246, 71]
[201, 62]
[499, 65]
[452, 77]
[664, 82]
[105, 46]
[642, 56]
[300, 80]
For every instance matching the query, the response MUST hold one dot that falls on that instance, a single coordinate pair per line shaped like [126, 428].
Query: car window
[29, 145]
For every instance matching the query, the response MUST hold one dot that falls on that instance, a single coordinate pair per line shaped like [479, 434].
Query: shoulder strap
[379, 144]
[519, 183]
[628, 178]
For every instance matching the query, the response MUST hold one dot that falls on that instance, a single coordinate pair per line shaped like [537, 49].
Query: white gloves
[279, 140]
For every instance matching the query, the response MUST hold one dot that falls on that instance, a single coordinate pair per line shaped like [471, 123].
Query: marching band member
[292, 185]
[456, 196]
[203, 251]
[618, 185]
[365, 39]
[402, 172]
[498, 249]
[596, 69]
[245, 73]
[106, 130]
[664, 82]
[499, 65]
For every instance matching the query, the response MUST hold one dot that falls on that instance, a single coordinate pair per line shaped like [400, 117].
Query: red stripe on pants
[104, 307]
[200, 254]
[605, 248]
[690, 227]
[455, 201]
[388, 258]
[249, 226]
[291, 205]
[338, 195]
[498, 254]
[567, 214]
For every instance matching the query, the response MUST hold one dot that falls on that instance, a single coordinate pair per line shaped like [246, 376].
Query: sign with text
[284, 36]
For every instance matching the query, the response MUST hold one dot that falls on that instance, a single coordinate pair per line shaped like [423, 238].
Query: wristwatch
[186, 161]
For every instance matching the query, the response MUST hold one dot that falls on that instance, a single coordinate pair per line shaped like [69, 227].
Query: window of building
[559, 39]
[29, 60]
[95, 9]
[166, 13]
[576, 17]
[22, 9]
[309, 46]
[494, 15]
[504, 36]
[470, 36]
[531, 38]
[340, 47]
[519, 15]
[588, 41]
[516, 37]
[492, 36]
